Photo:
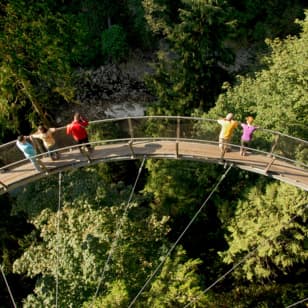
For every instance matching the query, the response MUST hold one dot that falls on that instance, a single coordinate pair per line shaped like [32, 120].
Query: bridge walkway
[257, 162]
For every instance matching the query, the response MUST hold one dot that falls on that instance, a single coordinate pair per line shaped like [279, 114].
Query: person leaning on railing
[77, 129]
[227, 127]
[248, 130]
[28, 150]
[46, 135]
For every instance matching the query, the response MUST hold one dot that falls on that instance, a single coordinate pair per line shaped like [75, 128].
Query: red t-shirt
[77, 129]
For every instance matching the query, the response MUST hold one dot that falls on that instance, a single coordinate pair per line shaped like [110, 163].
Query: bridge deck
[188, 150]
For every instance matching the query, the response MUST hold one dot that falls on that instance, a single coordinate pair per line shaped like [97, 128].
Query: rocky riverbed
[109, 91]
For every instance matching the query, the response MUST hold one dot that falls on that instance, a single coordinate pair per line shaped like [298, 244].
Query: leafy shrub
[114, 46]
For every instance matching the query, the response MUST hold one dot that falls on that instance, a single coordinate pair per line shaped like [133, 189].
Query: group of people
[228, 124]
[77, 129]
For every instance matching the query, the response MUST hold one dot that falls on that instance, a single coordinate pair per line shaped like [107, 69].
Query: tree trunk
[35, 104]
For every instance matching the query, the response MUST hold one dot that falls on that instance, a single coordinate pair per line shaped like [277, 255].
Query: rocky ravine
[107, 92]
[118, 91]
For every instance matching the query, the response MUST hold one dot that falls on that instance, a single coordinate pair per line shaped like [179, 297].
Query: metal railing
[130, 129]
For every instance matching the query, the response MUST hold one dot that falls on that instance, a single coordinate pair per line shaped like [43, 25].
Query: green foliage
[177, 284]
[114, 46]
[272, 224]
[177, 185]
[13, 228]
[117, 297]
[188, 75]
[34, 66]
[259, 19]
[39, 42]
[88, 19]
[140, 34]
[32, 201]
[265, 295]
[77, 253]
[277, 95]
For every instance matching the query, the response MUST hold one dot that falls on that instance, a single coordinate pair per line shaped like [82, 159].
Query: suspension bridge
[271, 154]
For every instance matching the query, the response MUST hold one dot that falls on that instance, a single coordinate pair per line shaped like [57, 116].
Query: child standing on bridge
[248, 130]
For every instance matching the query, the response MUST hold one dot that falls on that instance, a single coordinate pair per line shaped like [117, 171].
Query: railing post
[130, 127]
[177, 149]
[269, 165]
[178, 135]
[274, 144]
[222, 154]
[130, 144]
[178, 128]
[131, 133]
[5, 186]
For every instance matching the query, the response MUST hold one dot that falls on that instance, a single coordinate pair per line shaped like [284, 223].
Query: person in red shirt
[77, 129]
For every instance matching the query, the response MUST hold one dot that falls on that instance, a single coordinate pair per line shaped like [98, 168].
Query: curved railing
[268, 142]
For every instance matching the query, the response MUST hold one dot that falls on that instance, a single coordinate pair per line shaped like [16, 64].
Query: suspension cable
[58, 239]
[118, 228]
[8, 287]
[179, 238]
[299, 302]
[249, 254]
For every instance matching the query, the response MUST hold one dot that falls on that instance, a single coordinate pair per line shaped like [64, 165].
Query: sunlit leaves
[271, 226]
[33, 62]
[76, 254]
[177, 284]
[276, 95]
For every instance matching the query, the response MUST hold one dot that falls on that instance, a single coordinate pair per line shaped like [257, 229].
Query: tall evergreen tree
[189, 73]
[34, 66]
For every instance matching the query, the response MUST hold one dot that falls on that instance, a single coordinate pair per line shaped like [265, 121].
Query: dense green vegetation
[91, 246]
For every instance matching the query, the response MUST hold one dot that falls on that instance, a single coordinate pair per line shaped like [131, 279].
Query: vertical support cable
[8, 287]
[58, 229]
[130, 127]
[299, 302]
[249, 254]
[118, 230]
[178, 128]
[180, 237]
[274, 144]
[178, 135]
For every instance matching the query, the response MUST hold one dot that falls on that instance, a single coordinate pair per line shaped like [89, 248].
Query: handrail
[286, 147]
[173, 117]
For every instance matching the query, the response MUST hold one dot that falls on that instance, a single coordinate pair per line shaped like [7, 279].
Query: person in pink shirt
[248, 130]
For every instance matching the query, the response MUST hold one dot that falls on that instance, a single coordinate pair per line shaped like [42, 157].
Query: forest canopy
[91, 237]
